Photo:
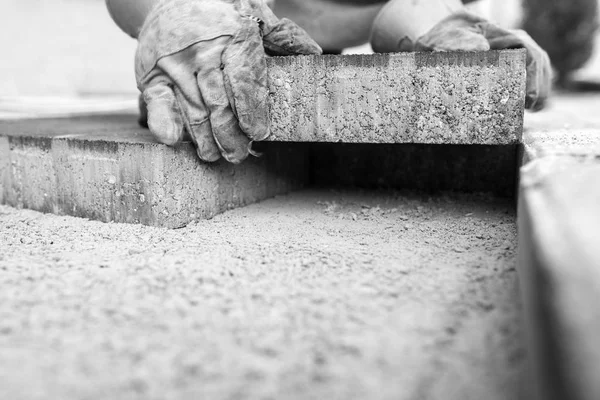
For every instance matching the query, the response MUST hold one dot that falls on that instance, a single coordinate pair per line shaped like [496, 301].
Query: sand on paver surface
[315, 295]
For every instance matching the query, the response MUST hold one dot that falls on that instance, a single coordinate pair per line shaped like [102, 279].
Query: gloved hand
[200, 65]
[462, 31]
[469, 32]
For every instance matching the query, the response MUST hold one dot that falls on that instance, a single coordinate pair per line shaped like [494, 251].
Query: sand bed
[320, 294]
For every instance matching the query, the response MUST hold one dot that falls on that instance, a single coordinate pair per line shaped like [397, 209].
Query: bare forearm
[130, 15]
[409, 19]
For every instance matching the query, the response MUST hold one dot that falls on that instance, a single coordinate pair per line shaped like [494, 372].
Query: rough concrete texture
[559, 216]
[107, 168]
[314, 295]
[566, 143]
[439, 97]
[570, 128]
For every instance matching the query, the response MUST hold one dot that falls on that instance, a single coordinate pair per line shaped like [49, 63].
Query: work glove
[469, 32]
[462, 31]
[200, 65]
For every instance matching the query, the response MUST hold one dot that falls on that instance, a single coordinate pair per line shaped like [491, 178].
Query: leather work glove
[461, 31]
[200, 65]
[471, 33]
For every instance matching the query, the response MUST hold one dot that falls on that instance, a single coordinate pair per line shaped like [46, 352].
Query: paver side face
[87, 174]
[558, 267]
[4, 168]
[137, 181]
[194, 189]
[32, 181]
[451, 98]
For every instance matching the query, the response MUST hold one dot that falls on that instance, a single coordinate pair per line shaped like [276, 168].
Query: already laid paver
[109, 169]
[559, 261]
[569, 128]
[573, 143]
[559, 256]
[434, 98]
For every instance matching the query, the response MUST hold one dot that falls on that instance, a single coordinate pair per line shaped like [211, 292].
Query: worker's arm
[200, 65]
[444, 25]
[130, 15]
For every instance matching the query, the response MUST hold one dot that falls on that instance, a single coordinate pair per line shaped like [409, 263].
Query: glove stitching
[199, 122]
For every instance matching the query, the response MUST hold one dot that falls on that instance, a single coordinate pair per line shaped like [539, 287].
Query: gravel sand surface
[315, 295]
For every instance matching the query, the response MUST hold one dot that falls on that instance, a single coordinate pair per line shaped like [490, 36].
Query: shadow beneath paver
[425, 167]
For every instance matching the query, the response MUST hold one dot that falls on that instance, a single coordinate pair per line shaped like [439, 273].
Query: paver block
[107, 168]
[569, 128]
[559, 260]
[559, 220]
[437, 98]
[568, 144]
[4, 167]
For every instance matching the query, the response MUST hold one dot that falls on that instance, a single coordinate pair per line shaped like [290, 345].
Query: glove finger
[453, 39]
[287, 38]
[231, 141]
[539, 69]
[163, 117]
[245, 78]
[281, 37]
[500, 38]
[539, 72]
[199, 127]
[181, 68]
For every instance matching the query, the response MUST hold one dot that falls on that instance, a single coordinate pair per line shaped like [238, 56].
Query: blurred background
[70, 53]
[63, 47]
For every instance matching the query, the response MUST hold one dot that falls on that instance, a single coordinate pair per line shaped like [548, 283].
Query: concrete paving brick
[566, 143]
[559, 216]
[31, 181]
[441, 98]
[569, 128]
[107, 168]
[4, 166]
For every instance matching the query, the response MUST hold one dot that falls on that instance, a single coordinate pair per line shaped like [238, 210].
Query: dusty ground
[316, 295]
